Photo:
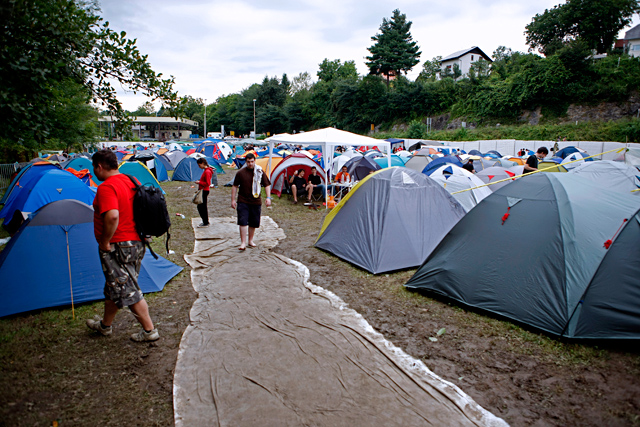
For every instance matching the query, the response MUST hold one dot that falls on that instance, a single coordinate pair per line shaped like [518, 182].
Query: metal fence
[6, 173]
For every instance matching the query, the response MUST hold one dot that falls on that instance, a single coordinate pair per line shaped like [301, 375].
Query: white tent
[328, 139]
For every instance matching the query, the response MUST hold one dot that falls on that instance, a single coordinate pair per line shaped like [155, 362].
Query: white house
[464, 59]
[632, 41]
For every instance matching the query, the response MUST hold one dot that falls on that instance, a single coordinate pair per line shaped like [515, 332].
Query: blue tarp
[38, 276]
[395, 161]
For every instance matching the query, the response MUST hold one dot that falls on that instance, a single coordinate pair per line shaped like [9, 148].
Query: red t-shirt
[116, 192]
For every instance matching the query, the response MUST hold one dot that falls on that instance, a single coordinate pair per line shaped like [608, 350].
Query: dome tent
[40, 186]
[141, 172]
[48, 275]
[360, 167]
[285, 169]
[513, 269]
[80, 163]
[188, 170]
[455, 179]
[25, 172]
[616, 176]
[390, 220]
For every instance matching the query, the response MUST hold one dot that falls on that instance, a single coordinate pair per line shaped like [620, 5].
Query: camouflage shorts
[121, 267]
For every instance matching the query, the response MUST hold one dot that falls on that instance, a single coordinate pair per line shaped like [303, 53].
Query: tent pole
[73, 311]
[326, 147]
[269, 164]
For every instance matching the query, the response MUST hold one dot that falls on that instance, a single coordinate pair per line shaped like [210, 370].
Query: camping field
[55, 369]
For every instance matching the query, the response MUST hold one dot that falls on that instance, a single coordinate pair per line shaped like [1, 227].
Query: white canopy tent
[328, 139]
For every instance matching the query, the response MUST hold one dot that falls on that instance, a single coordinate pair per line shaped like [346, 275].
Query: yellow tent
[264, 163]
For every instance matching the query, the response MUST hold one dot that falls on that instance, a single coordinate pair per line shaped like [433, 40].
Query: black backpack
[150, 213]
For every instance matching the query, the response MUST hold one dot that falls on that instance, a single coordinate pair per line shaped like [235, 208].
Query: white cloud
[215, 48]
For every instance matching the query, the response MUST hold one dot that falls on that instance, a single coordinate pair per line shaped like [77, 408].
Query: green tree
[595, 23]
[145, 110]
[430, 70]
[302, 82]
[336, 70]
[44, 42]
[394, 50]
[457, 72]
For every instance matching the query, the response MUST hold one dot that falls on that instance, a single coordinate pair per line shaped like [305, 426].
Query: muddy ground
[54, 369]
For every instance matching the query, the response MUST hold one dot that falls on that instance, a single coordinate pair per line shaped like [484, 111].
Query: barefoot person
[247, 185]
[120, 248]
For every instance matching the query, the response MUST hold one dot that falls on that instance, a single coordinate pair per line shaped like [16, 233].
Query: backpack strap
[144, 238]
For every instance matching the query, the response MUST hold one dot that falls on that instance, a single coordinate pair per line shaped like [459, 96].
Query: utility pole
[254, 119]
[205, 118]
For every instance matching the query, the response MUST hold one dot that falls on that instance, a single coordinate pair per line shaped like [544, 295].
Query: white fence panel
[487, 145]
[606, 146]
[506, 147]
[471, 145]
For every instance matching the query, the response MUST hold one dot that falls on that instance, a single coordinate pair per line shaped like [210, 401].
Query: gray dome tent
[536, 250]
[391, 220]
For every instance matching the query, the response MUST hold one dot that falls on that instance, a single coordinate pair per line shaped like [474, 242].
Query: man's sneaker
[202, 224]
[143, 336]
[96, 325]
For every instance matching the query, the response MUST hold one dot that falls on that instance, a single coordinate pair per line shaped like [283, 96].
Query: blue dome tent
[67, 269]
[41, 186]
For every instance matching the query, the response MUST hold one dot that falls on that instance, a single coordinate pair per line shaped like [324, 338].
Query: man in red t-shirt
[120, 248]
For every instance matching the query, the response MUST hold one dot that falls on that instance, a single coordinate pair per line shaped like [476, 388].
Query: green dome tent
[141, 172]
[530, 251]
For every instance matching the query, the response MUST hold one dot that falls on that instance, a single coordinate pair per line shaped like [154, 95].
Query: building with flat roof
[158, 128]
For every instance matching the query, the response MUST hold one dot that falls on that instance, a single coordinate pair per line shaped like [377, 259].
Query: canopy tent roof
[327, 139]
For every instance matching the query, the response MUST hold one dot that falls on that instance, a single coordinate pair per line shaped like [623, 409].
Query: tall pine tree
[394, 50]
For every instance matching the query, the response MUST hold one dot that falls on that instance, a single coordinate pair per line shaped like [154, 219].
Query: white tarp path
[266, 347]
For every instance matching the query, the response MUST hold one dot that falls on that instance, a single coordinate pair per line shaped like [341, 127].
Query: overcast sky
[215, 48]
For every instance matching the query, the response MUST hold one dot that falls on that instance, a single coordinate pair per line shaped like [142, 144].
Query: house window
[635, 47]
[472, 57]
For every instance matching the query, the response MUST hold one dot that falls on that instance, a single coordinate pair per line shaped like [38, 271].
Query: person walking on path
[247, 185]
[204, 184]
[120, 248]
[532, 162]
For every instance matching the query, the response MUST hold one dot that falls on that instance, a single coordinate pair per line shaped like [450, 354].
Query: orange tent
[264, 162]
[518, 160]
[161, 151]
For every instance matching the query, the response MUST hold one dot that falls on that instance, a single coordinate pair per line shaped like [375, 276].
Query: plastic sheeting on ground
[266, 347]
